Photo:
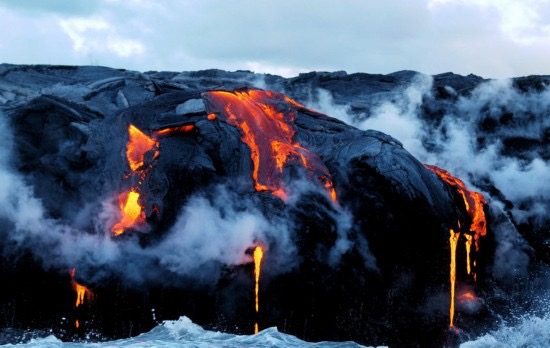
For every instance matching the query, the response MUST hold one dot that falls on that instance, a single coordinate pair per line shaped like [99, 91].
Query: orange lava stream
[474, 202]
[131, 211]
[468, 248]
[82, 292]
[265, 119]
[138, 145]
[453, 240]
[174, 130]
[258, 255]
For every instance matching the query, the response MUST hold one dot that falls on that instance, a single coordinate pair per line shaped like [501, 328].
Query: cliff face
[156, 188]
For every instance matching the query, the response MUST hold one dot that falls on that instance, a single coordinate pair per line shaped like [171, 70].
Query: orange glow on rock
[211, 117]
[130, 210]
[138, 145]
[265, 120]
[82, 292]
[175, 130]
[453, 241]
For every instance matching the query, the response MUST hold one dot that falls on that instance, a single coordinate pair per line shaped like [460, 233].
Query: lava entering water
[266, 122]
[258, 255]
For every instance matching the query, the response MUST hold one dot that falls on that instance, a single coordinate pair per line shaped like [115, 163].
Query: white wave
[184, 333]
[532, 332]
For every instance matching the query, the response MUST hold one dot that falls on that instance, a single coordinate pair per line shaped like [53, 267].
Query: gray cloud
[282, 37]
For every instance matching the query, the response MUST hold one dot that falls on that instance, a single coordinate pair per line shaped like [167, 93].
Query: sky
[489, 38]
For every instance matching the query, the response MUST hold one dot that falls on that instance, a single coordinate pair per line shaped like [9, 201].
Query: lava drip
[265, 120]
[82, 293]
[453, 241]
[258, 255]
[474, 203]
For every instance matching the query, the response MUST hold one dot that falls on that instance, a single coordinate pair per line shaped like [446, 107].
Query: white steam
[522, 176]
[208, 233]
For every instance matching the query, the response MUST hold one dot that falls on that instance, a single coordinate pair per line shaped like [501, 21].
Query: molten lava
[82, 292]
[473, 201]
[468, 248]
[138, 145]
[453, 240]
[175, 130]
[131, 211]
[265, 120]
[258, 255]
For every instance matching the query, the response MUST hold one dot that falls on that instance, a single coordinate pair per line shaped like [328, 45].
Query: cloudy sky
[491, 38]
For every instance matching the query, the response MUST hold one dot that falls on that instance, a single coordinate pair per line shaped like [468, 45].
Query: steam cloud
[468, 141]
[211, 232]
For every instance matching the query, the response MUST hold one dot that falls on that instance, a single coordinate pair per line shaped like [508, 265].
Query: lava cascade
[258, 255]
[265, 120]
[474, 203]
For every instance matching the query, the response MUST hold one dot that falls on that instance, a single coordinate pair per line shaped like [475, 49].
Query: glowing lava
[82, 292]
[138, 145]
[258, 255]
[473, 201]
[265, 120]
[453, 240]
[468, 248]
[175, 130]
[131, 211]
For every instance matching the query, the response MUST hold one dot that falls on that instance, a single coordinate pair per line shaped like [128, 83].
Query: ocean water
[530, 331]
[184, 333]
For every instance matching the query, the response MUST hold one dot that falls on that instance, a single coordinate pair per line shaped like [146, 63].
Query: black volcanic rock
[373, 267]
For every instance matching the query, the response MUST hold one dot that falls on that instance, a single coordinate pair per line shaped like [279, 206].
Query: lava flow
[82, 292]
[138, 145]
[266, 122]
[131, 211]
[473, 201]
[258, 255]
[453, 241]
